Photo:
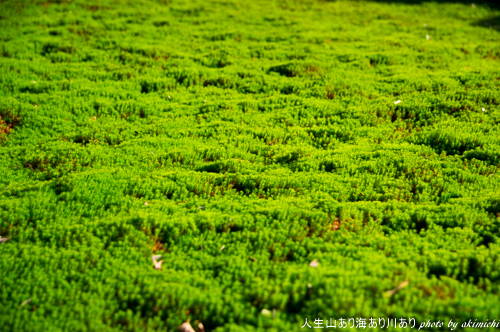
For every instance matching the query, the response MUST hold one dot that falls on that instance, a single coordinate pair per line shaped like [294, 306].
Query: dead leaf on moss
[186, 327]
[335, 225]
[314, 263]
[155, 262]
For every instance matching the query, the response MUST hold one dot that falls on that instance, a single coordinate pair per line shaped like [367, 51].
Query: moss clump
[260, 149]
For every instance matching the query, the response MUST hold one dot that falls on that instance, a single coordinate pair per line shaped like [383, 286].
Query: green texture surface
[242, 140]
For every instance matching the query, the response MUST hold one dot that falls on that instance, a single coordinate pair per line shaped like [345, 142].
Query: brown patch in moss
[6, 127]
[158, 246]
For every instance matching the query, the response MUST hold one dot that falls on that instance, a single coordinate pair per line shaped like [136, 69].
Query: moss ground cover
[243, 140]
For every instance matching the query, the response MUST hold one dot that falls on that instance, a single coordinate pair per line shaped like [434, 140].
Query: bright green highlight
[266, 127]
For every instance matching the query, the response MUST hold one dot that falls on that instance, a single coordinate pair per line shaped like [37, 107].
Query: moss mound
[287, 159]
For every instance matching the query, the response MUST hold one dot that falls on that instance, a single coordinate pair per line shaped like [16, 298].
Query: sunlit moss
[241, 140]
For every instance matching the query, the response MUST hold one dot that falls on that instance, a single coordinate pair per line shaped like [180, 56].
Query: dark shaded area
[211, 168]
[492, 22]
[494, 207]
[488, 4]
[419, 222]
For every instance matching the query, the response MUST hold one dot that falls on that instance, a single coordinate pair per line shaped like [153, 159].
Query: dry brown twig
[391, 292]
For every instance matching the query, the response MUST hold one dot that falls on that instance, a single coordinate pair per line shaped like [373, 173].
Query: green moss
[241, 140]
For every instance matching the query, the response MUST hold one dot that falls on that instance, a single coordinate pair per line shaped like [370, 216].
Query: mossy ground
[266, 127]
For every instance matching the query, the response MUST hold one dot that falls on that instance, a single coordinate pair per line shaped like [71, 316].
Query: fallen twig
[391, 292]
[25, 302]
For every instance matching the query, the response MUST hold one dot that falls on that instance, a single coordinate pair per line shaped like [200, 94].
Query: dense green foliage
[266, 128]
